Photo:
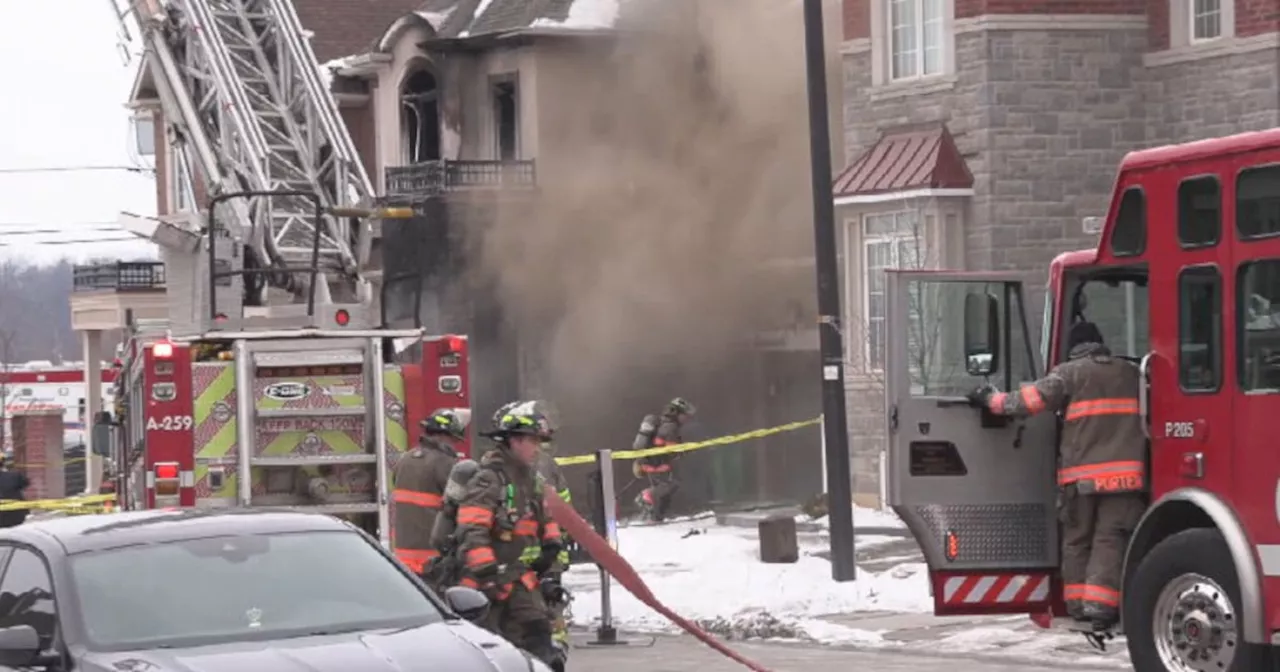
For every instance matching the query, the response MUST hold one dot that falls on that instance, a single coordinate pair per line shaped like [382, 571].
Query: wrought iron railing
[118, 276]
[432, 178]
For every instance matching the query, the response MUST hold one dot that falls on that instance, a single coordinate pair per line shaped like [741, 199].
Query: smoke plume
[669, 170]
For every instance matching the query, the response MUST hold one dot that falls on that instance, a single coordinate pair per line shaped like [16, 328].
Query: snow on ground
[1032, 643]
[713, 574]
[862, 517]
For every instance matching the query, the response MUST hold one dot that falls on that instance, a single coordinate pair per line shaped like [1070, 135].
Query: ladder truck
[277, 379]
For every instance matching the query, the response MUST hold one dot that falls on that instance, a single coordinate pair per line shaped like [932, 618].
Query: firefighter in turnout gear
[1101, 465]
[507, 541]
[659, 469]
[420, 478]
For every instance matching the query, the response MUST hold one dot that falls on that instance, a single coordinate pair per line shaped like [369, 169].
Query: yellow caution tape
[687, 447]
[65, 504]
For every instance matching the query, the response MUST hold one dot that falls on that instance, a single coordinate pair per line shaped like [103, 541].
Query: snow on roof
[585, 15]
[480, 10]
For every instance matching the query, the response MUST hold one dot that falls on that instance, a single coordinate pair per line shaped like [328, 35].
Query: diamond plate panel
[992, 533]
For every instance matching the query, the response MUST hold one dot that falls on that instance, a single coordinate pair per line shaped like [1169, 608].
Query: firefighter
[1102, 468]
[507, 541]
[420, 479]
[553, 591]
[658, 469]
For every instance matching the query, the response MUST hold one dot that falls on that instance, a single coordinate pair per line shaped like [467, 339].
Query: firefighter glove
[980, 396]
[552, 591]
[546, 560]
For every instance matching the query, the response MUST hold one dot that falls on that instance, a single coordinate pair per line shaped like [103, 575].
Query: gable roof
[473, 18]
[345, 27]
[916, 157]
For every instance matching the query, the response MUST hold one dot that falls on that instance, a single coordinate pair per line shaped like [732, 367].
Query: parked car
[236, 591]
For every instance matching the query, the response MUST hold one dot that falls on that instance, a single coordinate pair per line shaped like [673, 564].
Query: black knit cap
[1083, 332]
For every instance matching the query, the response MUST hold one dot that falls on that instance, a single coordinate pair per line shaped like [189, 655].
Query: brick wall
[856, 18]
[1255, 17]
[37, 451]
[359, 120]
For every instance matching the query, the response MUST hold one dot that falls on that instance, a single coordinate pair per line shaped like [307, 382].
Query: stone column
[91, 341]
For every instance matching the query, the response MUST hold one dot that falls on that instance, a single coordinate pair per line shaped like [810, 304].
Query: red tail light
[453, 344]
[342, 317]
[167, 474]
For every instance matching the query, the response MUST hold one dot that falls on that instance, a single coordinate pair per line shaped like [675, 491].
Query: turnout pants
[1095, 534]
[522, 618]
[662, 485]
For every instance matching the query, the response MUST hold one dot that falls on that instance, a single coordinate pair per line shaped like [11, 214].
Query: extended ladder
[243, 91]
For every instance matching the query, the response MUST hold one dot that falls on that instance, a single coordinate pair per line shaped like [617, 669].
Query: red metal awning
[906, 159]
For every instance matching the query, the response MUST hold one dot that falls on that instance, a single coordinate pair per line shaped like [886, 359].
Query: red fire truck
[1185, 282]
[286, 420]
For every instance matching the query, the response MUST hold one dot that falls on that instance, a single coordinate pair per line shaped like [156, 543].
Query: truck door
[977, 491]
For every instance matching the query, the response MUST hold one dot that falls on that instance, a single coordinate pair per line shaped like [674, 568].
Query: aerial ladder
[277, 272]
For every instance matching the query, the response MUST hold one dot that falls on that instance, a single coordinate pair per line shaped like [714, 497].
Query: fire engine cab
[1185, 283]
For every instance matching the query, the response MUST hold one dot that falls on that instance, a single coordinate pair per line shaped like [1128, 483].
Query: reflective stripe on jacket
[417, 496]
[502, 524]
[1103, 447]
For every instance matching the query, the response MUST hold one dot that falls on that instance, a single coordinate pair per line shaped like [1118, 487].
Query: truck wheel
[1182, 609]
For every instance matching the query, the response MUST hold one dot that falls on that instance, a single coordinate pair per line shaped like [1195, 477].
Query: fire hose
[625, 574]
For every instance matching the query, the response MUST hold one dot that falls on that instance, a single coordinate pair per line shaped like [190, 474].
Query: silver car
[239, 591]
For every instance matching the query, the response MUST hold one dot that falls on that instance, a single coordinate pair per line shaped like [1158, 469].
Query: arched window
[420, 117]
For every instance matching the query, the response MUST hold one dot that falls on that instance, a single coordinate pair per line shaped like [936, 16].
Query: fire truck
[1185, 283]
[281, 377]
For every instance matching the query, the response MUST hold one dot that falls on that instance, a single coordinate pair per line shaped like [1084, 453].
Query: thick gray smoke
[669, 169]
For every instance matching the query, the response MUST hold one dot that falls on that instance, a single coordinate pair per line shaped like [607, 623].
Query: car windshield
[229, 588]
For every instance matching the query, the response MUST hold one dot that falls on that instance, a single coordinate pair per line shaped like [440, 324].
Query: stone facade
[1043, 100]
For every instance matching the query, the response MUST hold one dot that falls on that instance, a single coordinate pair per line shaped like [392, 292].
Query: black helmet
[503, 411]
[445, 421]
[681, 406]
[516, 423]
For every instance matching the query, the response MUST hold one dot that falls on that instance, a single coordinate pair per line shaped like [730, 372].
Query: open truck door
[977, 491]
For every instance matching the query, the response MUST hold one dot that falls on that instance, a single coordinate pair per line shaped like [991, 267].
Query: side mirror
[19, 646]
[468, 603]
[981, 334]
[102, 434]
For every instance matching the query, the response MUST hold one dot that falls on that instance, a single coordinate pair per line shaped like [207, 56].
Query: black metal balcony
[120, 276]
[434, 178]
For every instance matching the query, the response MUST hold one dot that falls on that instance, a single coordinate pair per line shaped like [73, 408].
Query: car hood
[440, 647]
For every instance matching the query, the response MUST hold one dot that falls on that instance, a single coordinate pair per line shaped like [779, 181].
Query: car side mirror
[981, 334]
[19, 646]
[468, 603]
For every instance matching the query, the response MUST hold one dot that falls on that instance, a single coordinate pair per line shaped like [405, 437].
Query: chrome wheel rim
[1194, 625]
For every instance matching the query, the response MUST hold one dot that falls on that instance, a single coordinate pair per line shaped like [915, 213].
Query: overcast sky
[64, 110]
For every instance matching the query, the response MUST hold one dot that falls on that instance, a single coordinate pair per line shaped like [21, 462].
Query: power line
[74, 169]
[70, 225]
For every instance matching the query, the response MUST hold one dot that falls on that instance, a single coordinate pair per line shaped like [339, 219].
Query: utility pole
[834, 423]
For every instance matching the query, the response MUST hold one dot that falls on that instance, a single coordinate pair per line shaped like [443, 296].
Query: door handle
[1144, 393]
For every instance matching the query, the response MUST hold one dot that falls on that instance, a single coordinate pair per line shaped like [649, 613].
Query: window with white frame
[1206, 19]
[889, 240]
[915, 38]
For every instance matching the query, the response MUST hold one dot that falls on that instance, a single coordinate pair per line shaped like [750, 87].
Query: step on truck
[1185, 283]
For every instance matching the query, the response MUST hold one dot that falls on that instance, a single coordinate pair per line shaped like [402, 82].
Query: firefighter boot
[1102, 617]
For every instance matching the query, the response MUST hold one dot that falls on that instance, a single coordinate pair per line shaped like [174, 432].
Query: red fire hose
[626, 575]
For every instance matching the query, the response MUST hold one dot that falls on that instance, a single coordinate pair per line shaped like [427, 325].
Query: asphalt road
[683, 654]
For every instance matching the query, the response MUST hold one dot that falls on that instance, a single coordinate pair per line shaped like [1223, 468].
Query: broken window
[506, 116]
[420, 118]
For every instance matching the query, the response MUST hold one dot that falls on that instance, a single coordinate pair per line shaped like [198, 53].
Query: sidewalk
[685, 654]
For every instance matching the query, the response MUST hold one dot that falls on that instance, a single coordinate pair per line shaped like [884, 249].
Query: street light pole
[834, 423]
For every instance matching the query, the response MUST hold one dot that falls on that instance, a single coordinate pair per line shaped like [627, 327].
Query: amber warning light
[953, 546]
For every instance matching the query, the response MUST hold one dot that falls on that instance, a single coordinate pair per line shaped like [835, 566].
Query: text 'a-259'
[169, 423]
